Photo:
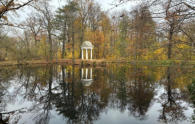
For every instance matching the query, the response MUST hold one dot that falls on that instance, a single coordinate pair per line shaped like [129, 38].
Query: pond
[116, 94]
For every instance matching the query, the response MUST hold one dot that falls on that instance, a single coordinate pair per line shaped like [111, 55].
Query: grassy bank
[99, 62]
[45, 62]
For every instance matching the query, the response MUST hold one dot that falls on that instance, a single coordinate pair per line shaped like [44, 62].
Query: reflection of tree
[191, 89]
[5, 77]
[141, 93]
[65, 100]
[44, 117]
[78, 104]
[134, 90]
[172, 111]
[122, 90]
[35, 84]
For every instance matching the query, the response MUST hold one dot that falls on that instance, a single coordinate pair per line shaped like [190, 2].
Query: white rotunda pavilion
[87, 45]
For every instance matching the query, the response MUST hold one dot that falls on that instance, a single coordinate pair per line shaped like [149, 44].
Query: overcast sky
[105, 4]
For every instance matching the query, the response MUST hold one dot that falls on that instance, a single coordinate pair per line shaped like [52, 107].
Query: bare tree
[34, 25]
[11, 5]
[47, 19]
[175, 15]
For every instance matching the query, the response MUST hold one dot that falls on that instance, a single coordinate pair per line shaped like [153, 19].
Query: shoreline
[46, 62]
[99, 62]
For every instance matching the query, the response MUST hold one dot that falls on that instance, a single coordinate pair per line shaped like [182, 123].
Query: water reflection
[88, 79]
[69, 94]
[191, 89]
[171, 100]
[141, 93]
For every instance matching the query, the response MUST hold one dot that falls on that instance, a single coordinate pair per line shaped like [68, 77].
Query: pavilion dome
[87, 44]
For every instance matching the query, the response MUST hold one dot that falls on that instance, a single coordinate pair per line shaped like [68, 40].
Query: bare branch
[11, 6]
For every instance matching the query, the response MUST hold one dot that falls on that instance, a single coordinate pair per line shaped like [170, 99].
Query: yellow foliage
[43, 47]
[159, 54]
[182, 46]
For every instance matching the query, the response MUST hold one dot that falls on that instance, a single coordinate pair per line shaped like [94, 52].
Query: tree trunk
[50, 41]
[63, 49]
[169, 53]
[50, 46]
[82, 34]
[64, 42]
[73, 42]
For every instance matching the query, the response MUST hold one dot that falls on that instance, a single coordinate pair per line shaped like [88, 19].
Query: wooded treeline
[153, 30]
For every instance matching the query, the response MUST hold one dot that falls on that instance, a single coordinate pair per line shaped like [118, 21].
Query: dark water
[117, 94]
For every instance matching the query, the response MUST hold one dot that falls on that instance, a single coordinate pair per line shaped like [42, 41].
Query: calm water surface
[117, 94]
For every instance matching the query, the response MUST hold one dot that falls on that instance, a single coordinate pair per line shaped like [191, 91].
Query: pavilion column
[91, 54]
[86, 54]
[82, 54]
[82, 73]
[91, 71]
[86, 75]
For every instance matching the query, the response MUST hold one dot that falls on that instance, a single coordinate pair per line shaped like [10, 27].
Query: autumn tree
[124, 27]
[65, 21]
[66, 17]
[94, 20]
[175, 15]
[61, 24]
[105, 25]
[144, 29]
[83, 7]
[188, 30]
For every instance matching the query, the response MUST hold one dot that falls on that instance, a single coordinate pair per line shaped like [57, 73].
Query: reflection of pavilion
[87, 76]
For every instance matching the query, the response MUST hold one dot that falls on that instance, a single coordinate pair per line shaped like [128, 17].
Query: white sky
[105, 4]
